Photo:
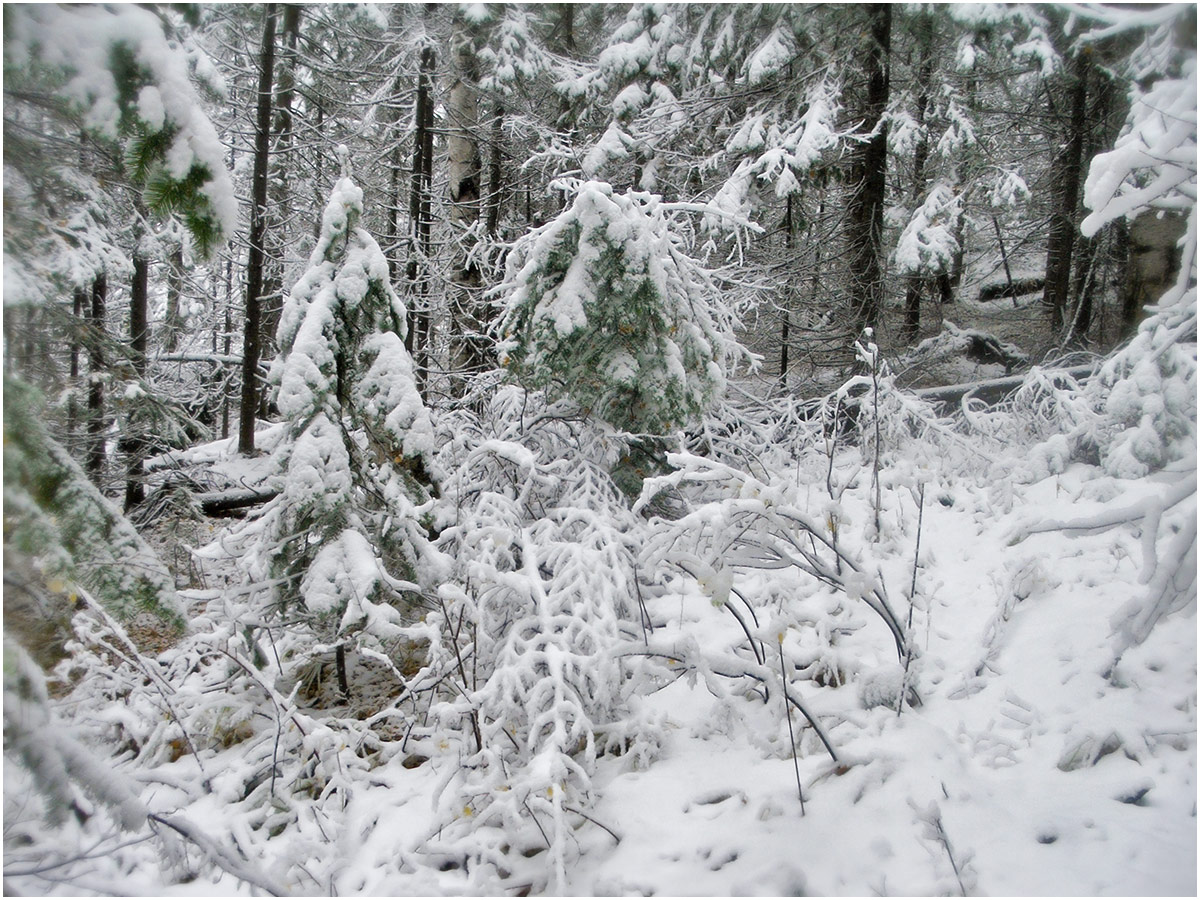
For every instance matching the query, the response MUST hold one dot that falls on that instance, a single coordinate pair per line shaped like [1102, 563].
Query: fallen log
[1019, 287]
[992, 390]
[232, 503]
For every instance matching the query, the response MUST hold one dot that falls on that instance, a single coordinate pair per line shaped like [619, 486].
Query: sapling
[342, 549]
[912, 601]
[791, 733]
[606, 307]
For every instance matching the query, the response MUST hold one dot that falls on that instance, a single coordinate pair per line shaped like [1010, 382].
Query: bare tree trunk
[95, 404]
[278, 188]
[913, 290]
[227, 346]
[173, 323]
[419, 223]
[864, 219]
[1065, 179]
[132, 444]
[495, 187]
[789, 232]
[395, 166]
[319, 189]
[78, 306]
[258, 219]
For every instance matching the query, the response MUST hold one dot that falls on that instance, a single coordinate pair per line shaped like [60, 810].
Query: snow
[927, 244]
[1034, 764]
[769, 58]
[81, 41]
[910, 653]
[343, 572]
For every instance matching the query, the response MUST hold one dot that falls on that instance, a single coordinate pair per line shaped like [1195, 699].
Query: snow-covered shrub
[1137, 414]
[1146, 393]
[57, 519]
[791, 590]
[543, 596]
[889, 425]
[343, 543]
[63, 770]
[606, 307]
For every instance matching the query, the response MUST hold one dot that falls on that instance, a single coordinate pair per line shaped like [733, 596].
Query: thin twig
[791, 731]
[912, 598]
[579, 812]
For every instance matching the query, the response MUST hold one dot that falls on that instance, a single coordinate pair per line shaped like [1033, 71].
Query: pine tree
[60, 524]
[343, 543]
[606, 307]
[108, 85]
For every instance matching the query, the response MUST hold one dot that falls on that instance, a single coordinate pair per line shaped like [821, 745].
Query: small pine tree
[342, 542]
[606, 307]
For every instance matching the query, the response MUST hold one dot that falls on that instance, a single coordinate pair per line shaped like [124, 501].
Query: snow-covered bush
[343, 543]
[1146, 393]
[1137, 415]
[63, 770]
[544, 595]
[606, 307]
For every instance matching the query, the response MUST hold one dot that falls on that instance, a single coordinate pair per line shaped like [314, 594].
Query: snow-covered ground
[991, 786]
[1030, 765]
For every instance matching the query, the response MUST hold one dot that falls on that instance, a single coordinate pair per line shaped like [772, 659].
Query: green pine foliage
[605, 307]
[55, 516]
[111, 72]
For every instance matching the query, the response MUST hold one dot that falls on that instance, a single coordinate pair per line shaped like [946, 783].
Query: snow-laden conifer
[928, 244]
[114, 67]
[342, 541]
[60, 522]
[606, 307]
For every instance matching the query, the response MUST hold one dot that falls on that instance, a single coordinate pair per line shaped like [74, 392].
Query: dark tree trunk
[419, 219]
[227, 345]
[495, 187]
[915, 282]
[132, 444]
[1154, 262]
[864, 219]
[1065, 177]
[95, 404]
[173, 324]
[395, 165]
[254, 264]
[1102, 127]
[320, 192]
[785, 328]
[79, 305]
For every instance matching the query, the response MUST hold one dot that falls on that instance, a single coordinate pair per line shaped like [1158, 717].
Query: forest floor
[1032, 765]
[1024, 771]
[1037, 757]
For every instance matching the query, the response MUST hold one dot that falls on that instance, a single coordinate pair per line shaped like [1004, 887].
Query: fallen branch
[232, 503]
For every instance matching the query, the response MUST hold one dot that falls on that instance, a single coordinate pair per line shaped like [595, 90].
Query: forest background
[383, 385]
